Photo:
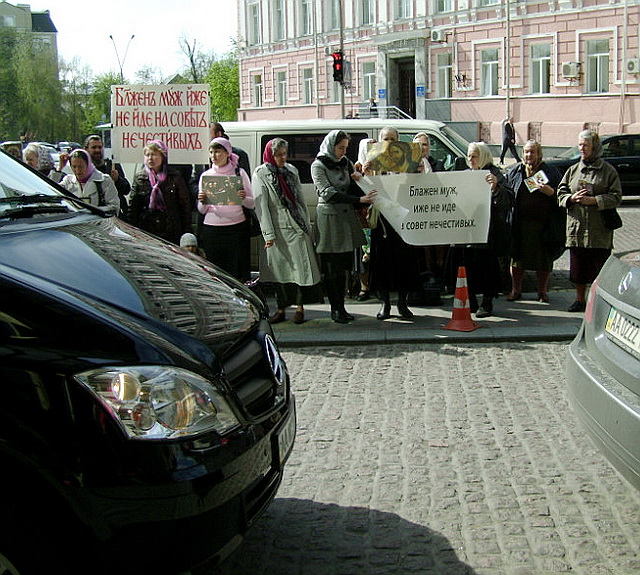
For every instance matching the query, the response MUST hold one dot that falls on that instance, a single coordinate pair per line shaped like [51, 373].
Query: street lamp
[121, 63]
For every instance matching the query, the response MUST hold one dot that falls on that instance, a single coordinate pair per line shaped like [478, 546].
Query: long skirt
[229, 248]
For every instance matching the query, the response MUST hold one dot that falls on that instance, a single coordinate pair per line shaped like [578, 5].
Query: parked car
[603, 365]
[147, 412]
[622, 151]
[68, 146]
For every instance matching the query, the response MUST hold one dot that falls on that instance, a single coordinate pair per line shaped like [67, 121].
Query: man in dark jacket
[508, 140]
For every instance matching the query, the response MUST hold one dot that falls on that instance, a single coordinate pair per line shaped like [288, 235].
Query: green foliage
[223, 79]
[98, 109]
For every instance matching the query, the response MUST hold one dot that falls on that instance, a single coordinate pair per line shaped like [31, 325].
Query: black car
[146, 413]
[622, 151]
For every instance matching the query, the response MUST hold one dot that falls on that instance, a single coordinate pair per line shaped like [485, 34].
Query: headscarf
[283, 182]
[90, 167]
[596, 153]
[362, 149]
[156, 179]
[327, 151]
[226, 144]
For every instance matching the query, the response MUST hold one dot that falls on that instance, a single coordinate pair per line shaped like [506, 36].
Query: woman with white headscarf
[338, 227]
[587, 188]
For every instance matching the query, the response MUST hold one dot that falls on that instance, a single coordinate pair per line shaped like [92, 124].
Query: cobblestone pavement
[441, 459]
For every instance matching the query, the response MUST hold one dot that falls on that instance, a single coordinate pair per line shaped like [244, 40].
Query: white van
[305, 136]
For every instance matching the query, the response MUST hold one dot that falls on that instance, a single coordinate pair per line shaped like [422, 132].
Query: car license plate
[623, 330]
[286, 436]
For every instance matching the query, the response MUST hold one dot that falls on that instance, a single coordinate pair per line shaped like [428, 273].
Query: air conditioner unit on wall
[438, 36]
[633, 65]
[571, 69]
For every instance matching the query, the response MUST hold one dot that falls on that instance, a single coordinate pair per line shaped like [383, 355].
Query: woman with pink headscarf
[159, 202]
[223, 191]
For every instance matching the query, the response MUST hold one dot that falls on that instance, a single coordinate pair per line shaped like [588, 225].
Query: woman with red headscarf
[159, 201]
[289, 258]
[223, 191]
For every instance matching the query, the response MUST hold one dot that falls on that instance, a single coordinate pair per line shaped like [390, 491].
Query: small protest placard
[222, 190]
[534, 182]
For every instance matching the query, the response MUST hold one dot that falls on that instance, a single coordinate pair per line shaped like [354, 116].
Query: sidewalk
[523, 320]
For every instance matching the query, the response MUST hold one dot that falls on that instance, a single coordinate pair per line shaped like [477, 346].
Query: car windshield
[20, 187]
[570, 154]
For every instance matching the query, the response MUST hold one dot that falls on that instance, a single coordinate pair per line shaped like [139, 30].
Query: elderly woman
[88, 184]
[225, 232]
[339, 230]
[159, 202]
[289, 258]
[535, 217]
[587, 188]
[482, 260]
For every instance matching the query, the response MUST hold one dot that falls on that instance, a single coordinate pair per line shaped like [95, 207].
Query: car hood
[120, 266]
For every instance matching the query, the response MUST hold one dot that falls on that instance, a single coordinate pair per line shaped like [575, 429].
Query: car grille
[259, 383]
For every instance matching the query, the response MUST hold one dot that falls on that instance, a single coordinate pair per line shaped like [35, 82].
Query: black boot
[403, 309]
[385, 310]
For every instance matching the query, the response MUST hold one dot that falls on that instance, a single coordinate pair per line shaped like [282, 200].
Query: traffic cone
[461, 318]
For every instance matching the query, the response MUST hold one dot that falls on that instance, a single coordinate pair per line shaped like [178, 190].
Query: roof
[41, 22]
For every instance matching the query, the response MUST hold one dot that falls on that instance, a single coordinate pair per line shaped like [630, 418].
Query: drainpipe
[507, 63]
[623, 88]
[316, 72]
[341, 23]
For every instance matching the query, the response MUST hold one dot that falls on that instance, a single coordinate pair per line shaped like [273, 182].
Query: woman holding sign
[482, 260]
[339, 231]
[223, 191]
[159, 201]
[538, 222]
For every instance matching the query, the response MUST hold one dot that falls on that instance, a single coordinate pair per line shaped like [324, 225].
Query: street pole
[121, 62]
[341, 16]
[507, 64]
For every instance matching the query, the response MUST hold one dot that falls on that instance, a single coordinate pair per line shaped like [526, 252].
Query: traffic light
[338, 66]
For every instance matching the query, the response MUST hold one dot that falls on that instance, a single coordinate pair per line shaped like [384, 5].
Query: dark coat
[169, 224]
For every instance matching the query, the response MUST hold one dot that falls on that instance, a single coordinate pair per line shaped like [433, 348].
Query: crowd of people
[535, 214]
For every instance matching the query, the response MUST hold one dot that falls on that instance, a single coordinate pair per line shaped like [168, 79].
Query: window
[334, 14]
[281, 86]
[444, 76]
[257, 90]
[306, 17]
[403, 9]
[444, 6]
[9, 21]
[489, 71]
[366, 16]
[482, 3]
[307, 85]
[597, 66]
[540, 68]
[278, 20]
[368, 80]
[253, 23]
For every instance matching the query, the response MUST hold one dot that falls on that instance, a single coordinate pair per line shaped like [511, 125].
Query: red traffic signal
[338, 66]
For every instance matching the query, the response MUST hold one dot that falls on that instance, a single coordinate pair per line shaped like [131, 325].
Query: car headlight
[160, 402]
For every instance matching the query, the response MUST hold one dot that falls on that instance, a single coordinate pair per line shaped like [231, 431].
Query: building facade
[555, 66]
[20, 18]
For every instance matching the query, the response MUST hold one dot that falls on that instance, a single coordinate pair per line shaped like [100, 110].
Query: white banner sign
[177, 114]
[435, 208]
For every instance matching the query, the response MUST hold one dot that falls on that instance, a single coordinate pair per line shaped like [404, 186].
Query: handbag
[252, 221]
[611, 219]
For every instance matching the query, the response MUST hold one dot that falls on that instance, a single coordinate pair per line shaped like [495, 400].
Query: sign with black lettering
[434, 208]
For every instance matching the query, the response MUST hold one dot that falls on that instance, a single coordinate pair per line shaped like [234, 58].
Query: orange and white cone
[461, 318]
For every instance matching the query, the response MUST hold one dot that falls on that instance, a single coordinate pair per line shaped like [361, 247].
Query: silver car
[603, 364]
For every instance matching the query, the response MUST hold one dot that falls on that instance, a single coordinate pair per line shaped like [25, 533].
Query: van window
[303, 149]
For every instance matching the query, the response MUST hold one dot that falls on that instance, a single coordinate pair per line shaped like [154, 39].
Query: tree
[199, 62]
[223, 80]
[76, 89]
[98, 109]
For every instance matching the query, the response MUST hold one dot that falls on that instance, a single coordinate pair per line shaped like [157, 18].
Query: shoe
[482, 312]
[339, 317]
[515, 296]
[404, 311]
[298, 317]
[543, 297]
[363, 296]
[346, 314]
[578, 306]
[385, 311]
[473, 303]
[277, 317]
